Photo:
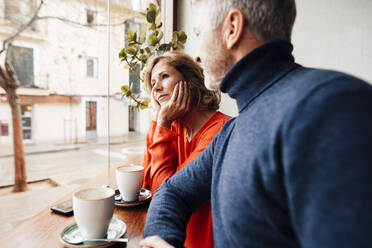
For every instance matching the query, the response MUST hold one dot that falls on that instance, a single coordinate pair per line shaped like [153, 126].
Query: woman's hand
[177, 106]
[155, 107]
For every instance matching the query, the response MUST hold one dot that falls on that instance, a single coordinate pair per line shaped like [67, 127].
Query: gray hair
[269, 20]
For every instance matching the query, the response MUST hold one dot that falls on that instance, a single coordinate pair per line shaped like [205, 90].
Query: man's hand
[177, 106]
[154, 242]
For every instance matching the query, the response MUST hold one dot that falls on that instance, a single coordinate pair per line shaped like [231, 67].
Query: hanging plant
[141, 49]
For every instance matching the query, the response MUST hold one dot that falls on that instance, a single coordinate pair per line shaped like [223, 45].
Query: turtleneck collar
[257, 71]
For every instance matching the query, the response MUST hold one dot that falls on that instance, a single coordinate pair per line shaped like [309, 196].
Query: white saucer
[116, 229]
[143, 197]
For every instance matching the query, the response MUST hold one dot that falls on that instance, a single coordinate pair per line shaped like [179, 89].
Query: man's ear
[233, 28]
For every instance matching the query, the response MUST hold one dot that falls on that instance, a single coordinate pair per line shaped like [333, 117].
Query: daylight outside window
[65, 58]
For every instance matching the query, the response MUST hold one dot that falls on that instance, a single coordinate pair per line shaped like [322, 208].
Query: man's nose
[197, 59]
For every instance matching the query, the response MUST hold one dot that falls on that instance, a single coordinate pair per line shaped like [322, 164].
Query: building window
[91, 67]
[26, 114]
[91, 17]
[4, 128]
[22, 60]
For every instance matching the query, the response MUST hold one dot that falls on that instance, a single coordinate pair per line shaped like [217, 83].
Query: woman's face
[163, 80]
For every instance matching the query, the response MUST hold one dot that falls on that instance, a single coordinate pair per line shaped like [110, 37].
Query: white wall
[332, 34]
[56, 121]
[335, 34]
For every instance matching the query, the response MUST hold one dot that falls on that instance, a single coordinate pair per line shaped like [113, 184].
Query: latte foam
[94, 193]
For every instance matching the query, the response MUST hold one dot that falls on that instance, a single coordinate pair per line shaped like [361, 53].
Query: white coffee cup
[93, 210]
[129, 180]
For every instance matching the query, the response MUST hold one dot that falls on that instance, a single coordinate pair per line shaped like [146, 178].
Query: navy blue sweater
[293, 169]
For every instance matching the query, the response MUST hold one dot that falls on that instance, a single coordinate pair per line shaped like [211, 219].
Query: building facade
[68, 68]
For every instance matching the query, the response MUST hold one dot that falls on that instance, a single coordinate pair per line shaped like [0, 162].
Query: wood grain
[44, 229]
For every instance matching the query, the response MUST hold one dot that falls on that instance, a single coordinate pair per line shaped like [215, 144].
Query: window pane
[71, 109]
[90, 68]
[22, 60]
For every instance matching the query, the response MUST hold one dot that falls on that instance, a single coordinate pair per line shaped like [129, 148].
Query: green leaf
[152, 7]
[182, 37]
[180, 45]
[152, 40]
[132, 44]
[143, 58]
[131, 50]
[130, 34]
[122, 53]
[160, 35]
[164, 47]
[153, 27]
[175, 36]
[124, 89]
[160, 25]
[147, 49]
[150, 16]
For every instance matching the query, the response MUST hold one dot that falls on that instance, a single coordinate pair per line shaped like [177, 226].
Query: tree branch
[22, 28]
[133, 70]
[78, 23]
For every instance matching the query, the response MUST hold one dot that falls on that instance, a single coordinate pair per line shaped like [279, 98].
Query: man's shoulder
[319, 86]
[315, 78]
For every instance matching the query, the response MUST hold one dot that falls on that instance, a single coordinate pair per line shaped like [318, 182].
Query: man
[294, 168]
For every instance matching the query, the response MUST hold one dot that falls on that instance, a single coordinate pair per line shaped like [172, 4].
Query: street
[72, 167]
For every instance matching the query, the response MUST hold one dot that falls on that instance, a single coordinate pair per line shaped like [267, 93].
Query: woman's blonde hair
[192, 74]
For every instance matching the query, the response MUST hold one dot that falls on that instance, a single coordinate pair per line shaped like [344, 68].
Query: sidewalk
[49, 147]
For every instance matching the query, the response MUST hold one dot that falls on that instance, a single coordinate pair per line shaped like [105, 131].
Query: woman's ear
[233, 27]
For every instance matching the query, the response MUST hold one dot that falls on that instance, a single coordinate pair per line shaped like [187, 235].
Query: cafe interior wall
[333, 34]
[60, 51]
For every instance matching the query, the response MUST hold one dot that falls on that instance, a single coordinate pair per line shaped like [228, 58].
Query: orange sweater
[168, 151]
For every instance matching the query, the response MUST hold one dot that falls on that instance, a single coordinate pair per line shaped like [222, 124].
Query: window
[26, 114]
[22, 60]
[4, 128]
[68, 117]
[91, 67]
[91, 17]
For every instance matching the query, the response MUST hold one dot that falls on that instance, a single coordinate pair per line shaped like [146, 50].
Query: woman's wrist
[164, 122]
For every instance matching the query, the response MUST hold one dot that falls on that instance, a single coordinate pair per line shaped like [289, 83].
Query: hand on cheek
[177, 106]
[155, 107]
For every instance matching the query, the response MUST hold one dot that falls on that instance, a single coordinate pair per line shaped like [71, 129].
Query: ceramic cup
[93, 210]
[129, 180]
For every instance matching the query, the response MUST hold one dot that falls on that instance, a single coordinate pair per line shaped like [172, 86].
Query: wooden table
[44, 229]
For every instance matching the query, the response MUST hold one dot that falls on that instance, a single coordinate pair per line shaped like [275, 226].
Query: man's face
[212, 55]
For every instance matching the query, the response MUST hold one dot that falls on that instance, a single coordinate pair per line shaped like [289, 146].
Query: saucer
[143, 197]
[116, 229]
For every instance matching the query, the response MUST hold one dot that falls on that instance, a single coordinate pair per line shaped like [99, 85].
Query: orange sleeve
[161, 158]
[149, 136]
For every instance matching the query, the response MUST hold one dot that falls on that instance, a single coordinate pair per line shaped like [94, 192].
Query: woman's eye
[165, 76]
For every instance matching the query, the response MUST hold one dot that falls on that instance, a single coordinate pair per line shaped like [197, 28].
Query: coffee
[93, 194]
[93, 210]
[129, 180]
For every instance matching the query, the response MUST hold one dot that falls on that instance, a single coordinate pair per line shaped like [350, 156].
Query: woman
[185, 120]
